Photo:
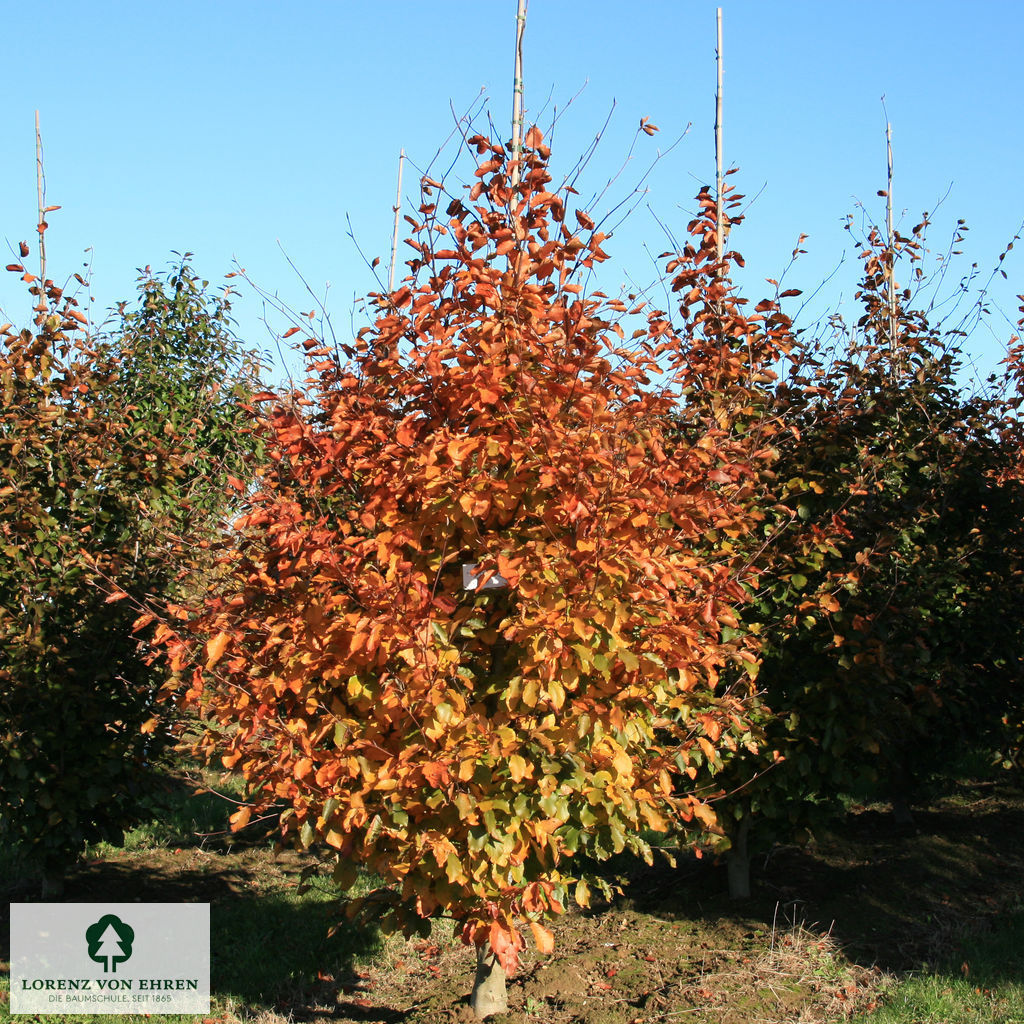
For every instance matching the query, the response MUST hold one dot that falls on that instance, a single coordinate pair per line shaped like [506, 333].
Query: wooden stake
[517, 94]
[719, 174]
[40, 193]
[394, 234]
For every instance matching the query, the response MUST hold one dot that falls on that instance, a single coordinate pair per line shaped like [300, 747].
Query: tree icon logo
[110, 942]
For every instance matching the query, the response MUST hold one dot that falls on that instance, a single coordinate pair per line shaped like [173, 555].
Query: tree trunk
[53, 883]
[901, 811]
[489, 992]
[900, 789]
[738, 860]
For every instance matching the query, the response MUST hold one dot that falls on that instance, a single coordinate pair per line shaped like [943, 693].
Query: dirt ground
[828, 929]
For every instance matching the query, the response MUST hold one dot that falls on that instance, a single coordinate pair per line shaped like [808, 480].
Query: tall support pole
[394, 233]
[719, 173]
[41, 226]
[517, 94]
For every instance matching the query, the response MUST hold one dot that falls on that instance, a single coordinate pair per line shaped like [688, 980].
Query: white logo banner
[110, 958]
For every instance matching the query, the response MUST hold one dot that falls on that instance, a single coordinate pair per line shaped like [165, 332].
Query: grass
[267, 939]
[984, 983]
[922, 926]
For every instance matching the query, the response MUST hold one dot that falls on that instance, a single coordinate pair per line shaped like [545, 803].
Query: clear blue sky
[222, 127]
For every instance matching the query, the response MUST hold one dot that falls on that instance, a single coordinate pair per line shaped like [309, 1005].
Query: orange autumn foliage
[461, 743]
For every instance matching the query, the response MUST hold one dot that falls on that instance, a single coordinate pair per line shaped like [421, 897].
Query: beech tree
[114, 449]
[470, 625]
[897, 550]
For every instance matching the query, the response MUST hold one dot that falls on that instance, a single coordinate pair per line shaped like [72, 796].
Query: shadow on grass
[270, 949]
[181, 816]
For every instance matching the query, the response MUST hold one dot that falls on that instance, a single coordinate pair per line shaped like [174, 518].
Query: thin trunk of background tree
[394, 234]
[738, 859]
[517, 93]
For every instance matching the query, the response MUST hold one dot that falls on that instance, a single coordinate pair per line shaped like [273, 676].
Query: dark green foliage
[891, 575]
[113, 456]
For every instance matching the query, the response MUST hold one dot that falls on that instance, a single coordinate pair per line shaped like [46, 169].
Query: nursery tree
[898, 547]
[470, 626]
[998, 595]
[183, 373]
[112, 448]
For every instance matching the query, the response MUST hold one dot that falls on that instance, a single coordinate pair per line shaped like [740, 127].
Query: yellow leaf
[582, 629]
[530, 693]
[582, 893]
[518, 767]
[623, 763]
[704, 814]
[556, 694]
[629, 659]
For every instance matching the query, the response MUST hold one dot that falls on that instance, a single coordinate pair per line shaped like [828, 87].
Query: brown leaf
[534, 138]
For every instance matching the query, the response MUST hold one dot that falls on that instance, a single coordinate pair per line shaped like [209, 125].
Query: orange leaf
[240, 818]
[436, 774]
[544, 940]
[506, 943]
[215, 648]
[709, 750]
